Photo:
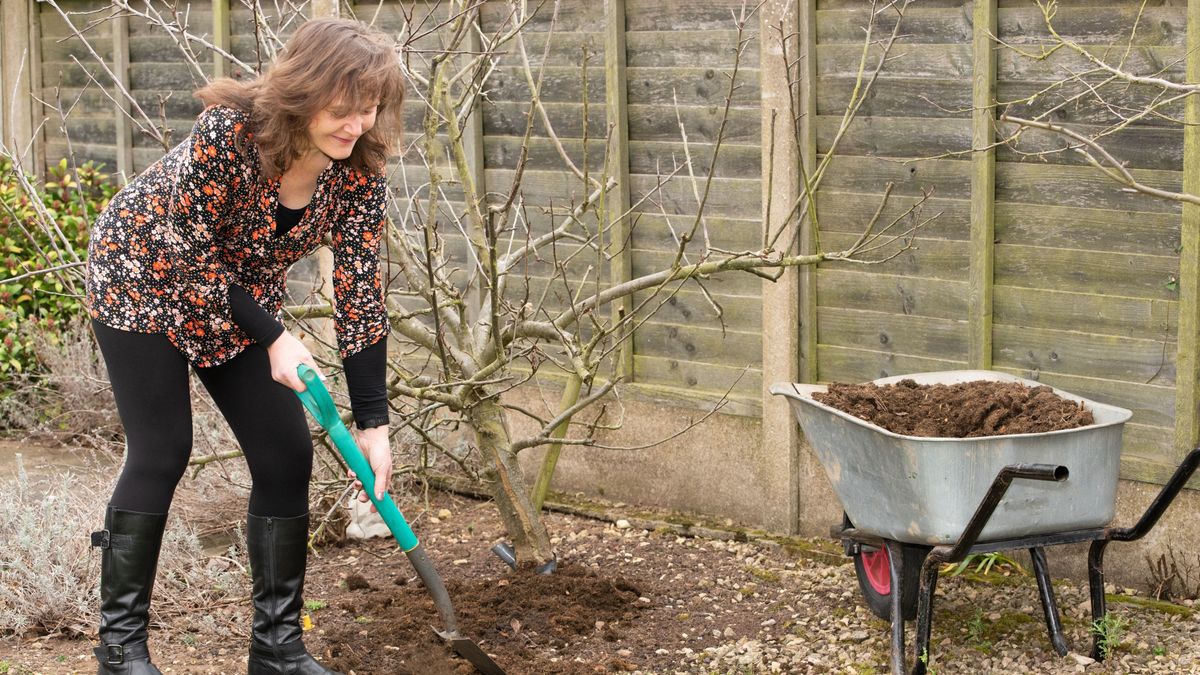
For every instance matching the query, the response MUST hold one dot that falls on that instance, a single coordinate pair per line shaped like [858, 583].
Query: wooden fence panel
[908, 313]
[159, 72]
[159, 79]
[410, 175]
[66, 65]
[565, 49]
[680, 55]
[1086, 274]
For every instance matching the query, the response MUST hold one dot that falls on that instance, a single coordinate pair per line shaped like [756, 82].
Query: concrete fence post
[324, 255]
[20, 82]
[616, 90]
[220, 15]
[1187, 374]
[785, 302]
[983, 186]
[120, 67]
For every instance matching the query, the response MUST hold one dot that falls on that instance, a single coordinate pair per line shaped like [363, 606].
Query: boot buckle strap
[118, 654]
[101, 539]
[114, 655]
[106, 539]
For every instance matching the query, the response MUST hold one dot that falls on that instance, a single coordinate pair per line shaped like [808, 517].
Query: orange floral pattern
[163, 254]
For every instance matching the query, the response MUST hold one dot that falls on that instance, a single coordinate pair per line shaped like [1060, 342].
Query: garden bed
[633, 599]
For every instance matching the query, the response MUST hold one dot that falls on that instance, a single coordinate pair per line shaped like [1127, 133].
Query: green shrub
[34, 239]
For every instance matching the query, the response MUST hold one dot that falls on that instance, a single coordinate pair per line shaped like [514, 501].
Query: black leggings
[150, 382]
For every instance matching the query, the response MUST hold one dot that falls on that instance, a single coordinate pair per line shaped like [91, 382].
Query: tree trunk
[523, 522]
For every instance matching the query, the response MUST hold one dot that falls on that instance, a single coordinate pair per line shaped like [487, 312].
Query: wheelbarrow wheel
[875, 581]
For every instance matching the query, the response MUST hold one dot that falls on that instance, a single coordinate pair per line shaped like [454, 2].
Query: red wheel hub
[877, 565]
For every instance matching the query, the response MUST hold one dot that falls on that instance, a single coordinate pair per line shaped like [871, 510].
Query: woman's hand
[377, 448]
[286, 354]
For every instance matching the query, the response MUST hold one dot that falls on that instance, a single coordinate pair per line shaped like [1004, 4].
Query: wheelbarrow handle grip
[319, 403]
[1049, 472]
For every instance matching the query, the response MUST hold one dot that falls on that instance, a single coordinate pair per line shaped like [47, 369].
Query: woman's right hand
[286, 354]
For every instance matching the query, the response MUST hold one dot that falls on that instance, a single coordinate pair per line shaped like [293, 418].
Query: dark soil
[966, 410]
[621, 599]
[513, 617]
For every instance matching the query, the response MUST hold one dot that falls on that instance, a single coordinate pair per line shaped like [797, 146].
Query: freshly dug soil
[966, 410]
[515, 617]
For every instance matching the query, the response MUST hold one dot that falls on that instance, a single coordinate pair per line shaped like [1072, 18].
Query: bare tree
[471, 320]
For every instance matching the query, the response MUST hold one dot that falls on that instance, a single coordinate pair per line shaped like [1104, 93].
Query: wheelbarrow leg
[929, 577]
[896, 569]
[1096, 586]
[1148, 520]
[1049, 606]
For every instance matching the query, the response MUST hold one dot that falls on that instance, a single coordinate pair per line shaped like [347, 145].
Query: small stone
[855, 636]
[622, 524]
[1083, 660]
[444, 514]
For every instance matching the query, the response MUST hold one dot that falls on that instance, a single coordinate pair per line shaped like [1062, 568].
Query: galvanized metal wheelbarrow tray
[924, 490]
[932, 501]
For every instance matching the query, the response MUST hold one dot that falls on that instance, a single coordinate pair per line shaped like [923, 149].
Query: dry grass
[49, 577]
[69, 404]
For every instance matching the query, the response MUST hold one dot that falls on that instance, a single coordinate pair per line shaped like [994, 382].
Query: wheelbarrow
[912, 504]
[317, 400]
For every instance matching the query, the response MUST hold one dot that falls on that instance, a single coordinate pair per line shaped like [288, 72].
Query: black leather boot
[129, 545]
[278, 549]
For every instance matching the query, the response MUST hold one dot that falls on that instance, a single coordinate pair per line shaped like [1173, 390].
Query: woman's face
[336, 128]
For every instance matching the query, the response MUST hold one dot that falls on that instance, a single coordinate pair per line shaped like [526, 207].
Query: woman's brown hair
[326, 62]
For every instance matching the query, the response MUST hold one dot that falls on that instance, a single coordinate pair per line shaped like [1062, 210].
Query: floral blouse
[163, 254]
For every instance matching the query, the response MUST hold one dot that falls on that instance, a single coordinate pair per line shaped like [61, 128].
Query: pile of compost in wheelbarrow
[513, 618]
[963, 410]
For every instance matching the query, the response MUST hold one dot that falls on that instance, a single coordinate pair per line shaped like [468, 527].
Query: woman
[187, 265]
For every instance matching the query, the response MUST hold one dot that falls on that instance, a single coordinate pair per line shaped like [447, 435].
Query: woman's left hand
[376, 447]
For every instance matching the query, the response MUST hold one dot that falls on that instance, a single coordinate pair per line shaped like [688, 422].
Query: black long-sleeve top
[366, 370]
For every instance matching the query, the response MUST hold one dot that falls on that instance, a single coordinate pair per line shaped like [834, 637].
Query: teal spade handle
[318, 402]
